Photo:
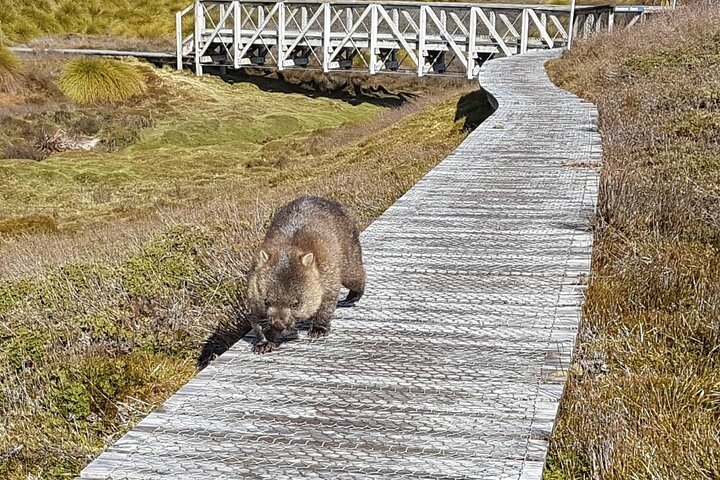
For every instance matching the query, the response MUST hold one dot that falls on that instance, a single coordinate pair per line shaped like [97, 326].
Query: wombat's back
[314, 224]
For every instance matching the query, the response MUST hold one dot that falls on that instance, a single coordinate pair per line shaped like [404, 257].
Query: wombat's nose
[280, 317]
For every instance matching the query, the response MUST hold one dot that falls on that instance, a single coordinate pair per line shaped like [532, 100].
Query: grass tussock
[643, 398]
[97, 80]
[10, 72]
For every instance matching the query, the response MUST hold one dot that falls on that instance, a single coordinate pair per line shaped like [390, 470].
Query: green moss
[91, 386]
[68, 398]
[16, 292]
[101, 325]
[74, 284]
[168, 263]
[24, 347]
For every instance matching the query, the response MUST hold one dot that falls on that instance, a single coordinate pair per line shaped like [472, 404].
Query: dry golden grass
[643, 398]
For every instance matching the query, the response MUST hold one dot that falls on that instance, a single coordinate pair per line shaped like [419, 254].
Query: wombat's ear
[307, 259]
[264, 257]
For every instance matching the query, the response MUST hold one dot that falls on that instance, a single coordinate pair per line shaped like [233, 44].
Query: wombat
[311, 248]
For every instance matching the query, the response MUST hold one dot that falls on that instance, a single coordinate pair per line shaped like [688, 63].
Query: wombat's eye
[295, 304]
[267, 303]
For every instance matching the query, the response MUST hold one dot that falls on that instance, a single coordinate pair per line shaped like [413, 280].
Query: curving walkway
[453, 363]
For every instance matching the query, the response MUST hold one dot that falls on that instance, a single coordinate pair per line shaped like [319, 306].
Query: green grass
[203, 133]
[96, 80]
[643, 397]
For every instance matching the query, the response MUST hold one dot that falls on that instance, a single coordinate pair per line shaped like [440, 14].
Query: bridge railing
[403, 37]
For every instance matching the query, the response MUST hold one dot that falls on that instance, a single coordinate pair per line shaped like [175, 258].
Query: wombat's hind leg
[355, 282]
[321, 320]
[354, 274]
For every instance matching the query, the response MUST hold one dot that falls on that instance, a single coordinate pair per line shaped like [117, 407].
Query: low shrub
[93, 80]
[23, 151]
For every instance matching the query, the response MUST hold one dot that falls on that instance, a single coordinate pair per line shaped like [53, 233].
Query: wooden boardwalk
[453, 364]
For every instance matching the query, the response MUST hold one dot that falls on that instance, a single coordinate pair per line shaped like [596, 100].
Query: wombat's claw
[264, 347]
[346, 303]
[318, 332]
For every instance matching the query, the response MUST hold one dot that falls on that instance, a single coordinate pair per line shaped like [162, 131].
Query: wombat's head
[285, 286]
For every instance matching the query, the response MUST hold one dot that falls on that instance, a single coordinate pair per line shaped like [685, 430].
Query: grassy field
[22, 20]
[116, 264]
[187, 137]
[643, 399]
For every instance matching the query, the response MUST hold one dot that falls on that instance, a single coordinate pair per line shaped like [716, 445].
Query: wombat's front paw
[318, 332]
[264, 347]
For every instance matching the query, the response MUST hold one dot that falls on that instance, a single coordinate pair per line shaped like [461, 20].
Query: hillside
[23, 20]
[643, 399]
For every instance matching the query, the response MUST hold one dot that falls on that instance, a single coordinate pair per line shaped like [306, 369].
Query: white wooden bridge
[403, 37]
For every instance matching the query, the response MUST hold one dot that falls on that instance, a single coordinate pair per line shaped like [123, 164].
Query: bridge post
[373, 38]
[524, 31]
[178, 41]
[472, 38]
[326, 37]
[571, 25]
[422, 25]
[199, 23]
[237, 32]
[281, 37]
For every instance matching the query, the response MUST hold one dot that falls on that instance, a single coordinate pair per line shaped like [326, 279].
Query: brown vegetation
[643, 399]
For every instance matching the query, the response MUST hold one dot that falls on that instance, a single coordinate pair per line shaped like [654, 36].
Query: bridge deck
[452, 365]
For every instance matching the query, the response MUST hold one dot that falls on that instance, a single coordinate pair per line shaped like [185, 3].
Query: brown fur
[311, 248]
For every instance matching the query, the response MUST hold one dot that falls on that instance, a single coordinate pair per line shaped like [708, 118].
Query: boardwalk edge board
[453, 364]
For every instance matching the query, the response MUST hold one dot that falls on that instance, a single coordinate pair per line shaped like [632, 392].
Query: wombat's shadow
[228, 333]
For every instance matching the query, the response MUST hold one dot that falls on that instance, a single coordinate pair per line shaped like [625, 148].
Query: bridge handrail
[181, 41]
[466, 33]
[396, 3]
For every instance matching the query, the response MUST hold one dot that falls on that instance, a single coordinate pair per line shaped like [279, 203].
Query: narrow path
[453, 363]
